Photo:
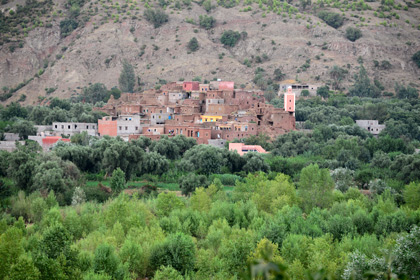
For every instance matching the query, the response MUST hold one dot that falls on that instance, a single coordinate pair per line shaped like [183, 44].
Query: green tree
[156, 16]
[255, 162]
[155, 163]
[95, 93]
[166, 147]
[10, 249]
[315, 187]
[323, 91]
[406, 92]
[230, 38]
[278, 74]
[337, 74]
[167, 202]
[207, 22]
[118, 180]
[24, 128]
[126, 156]
[167, 273]
[22, 168]
[193, 44]
[105, 260]
[363, 86]
[133, 255]
[353, 34]
[407, 254]
[204, 158]
[191, 181]
[127, 78]
[412, 195]
[178, 251]
[24, 269]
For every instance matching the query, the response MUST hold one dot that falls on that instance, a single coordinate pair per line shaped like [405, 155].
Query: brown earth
[92, 44]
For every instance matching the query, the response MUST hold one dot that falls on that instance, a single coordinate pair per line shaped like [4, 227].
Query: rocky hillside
[38, 60]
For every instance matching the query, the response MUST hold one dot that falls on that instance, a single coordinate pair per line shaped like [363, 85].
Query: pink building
[190, 86]
[226, 85]
[242, 149]
[289, 100]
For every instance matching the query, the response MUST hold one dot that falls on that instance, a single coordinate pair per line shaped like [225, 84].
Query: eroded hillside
[39, 61]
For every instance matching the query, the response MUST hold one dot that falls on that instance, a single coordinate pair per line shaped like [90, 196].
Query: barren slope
[95, 51]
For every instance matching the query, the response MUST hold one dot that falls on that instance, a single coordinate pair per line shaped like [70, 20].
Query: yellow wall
[210, 118]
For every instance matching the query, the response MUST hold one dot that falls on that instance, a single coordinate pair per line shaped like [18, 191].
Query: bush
[416, 58]
[157, 17]
[230, 38]
[193, 44]
[118, 180]
[353, 33]
[304, 92]
[67, 26]
[207, 22]
[332, 19]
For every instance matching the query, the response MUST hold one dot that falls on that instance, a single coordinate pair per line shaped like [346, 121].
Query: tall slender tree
[127, 78]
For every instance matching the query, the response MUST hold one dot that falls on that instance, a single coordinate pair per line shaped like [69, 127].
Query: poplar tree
[127, 78]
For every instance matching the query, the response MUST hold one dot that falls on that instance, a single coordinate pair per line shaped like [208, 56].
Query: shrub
[230, 38]
[353, 33]
[207, 22]
[304, 92]
[118, 180]
[67, 26]
[193, 44]
[157, 17]
[332, 19]
[416, 58]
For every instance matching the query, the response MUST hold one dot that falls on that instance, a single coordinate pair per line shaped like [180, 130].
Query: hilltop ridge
[40, 62]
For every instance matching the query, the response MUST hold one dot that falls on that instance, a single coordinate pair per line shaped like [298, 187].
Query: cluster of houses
[211, 113]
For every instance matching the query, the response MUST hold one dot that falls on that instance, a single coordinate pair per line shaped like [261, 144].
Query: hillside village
[210, 113]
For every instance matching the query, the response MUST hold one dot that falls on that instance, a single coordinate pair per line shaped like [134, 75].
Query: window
[87, 127]
[119, 128]
[55, 126]
[75, 126]
[137, 128]
[62, 127]
[69, 127]
[126, 128]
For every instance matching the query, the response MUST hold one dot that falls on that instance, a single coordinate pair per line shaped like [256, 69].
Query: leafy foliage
[207, 22]
[353, 34]
[230, 38]
[332, 19]
[127, 78]
[193, 45]
[156, 17]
